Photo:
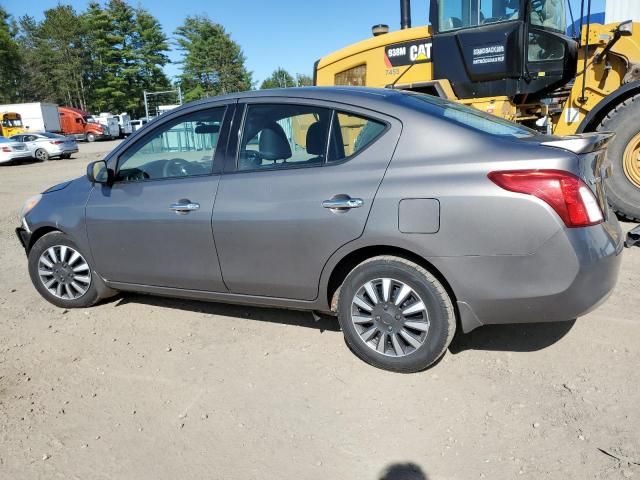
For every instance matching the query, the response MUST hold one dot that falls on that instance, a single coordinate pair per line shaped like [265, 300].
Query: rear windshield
[6, 140]
[51, 135]
[468, 116]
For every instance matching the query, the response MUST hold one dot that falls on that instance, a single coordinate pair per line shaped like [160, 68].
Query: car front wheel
[61, 273]
[395, 315]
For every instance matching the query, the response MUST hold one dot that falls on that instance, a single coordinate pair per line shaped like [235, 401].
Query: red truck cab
[74, 121]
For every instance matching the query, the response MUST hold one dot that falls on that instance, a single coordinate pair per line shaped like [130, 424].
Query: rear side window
[283, 136]
[350, 134]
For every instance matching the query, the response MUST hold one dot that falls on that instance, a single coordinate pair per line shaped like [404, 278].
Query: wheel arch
[606, 105]
[355, 257]
[39, 233]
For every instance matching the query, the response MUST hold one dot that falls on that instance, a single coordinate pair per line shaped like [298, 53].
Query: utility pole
[146, 106]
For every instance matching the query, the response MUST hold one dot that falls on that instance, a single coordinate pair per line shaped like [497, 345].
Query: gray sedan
[406, 216]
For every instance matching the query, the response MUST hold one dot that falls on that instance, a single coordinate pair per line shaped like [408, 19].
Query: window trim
[145, 137]
[335, 109]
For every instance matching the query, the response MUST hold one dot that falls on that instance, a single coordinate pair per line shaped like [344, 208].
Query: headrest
[273, 143]
[317, 138]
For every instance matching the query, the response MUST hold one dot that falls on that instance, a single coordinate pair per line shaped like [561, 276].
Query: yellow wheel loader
[518, 60]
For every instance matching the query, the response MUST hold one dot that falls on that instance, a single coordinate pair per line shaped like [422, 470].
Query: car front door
[293, 198]
[153, 225]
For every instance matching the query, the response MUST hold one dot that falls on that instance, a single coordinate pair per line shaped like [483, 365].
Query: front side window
[183, 147]
[455, 14]
[282, 136]
[350, 134]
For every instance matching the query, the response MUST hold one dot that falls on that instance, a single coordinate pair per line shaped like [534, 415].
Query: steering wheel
[176, 167]
[251, 158]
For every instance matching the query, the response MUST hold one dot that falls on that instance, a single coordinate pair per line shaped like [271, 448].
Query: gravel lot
[151, 388]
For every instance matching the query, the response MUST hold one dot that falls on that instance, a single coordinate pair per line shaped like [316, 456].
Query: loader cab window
[457, 14]
[546, 15]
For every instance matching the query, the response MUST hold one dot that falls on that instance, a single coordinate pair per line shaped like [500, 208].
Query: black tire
[91, 137]
[65, 156]
[439, 311]
[623, 195]
[41, 154]
[57, 239]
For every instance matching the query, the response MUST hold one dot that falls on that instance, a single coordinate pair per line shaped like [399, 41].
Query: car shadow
[524, 337]
[403, 471]
[272, 315]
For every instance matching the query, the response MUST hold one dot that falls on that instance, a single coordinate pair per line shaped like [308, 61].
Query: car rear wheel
[395, 315]
[41, 154]
[61, 273]
[65, 156]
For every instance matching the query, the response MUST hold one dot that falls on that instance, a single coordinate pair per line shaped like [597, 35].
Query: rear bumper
[16, 156]
[569, 276]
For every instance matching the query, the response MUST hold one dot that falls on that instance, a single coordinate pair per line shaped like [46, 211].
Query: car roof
[357, 95]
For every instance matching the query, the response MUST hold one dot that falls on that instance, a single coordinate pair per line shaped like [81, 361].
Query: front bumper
[24, 236]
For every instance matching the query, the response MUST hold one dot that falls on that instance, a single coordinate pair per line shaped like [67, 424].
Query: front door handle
[184, 206]
[343, 203]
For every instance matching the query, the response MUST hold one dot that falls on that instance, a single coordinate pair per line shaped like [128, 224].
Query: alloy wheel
[64, 272]
[390, 317]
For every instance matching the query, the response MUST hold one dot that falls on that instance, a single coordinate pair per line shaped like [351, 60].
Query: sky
[273, 33]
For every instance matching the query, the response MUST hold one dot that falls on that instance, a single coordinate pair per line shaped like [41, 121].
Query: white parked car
[45, 145]
[11, 150]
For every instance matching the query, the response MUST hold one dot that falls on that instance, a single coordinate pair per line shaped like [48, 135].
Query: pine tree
[213, 63]
[128, 50]
[280, 78]
[10, 59]
[54, 57]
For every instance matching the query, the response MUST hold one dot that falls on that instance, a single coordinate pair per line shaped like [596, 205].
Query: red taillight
[567, 194]
[6, 149]
[55, 142]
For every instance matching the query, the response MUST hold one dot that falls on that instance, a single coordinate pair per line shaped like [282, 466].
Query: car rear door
[153, 226]
[272, 220]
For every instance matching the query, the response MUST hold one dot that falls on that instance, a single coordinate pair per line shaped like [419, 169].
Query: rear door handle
[184, 206]
[345, 203]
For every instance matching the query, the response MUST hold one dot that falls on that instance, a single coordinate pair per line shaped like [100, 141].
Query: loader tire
[623, 185]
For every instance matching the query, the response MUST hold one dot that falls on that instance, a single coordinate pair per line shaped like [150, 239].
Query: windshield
[454, 14]
[16, 122]
[469, 117]
[549, 14]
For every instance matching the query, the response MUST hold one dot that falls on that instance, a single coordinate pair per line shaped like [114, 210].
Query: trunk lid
[593, 165]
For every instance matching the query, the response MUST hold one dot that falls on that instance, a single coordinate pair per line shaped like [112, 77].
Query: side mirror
[625, 29]
[98, 172]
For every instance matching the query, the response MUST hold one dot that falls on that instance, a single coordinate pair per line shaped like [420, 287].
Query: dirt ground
[151, 388]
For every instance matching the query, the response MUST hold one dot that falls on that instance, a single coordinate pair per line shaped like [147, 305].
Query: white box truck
[36, 117]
